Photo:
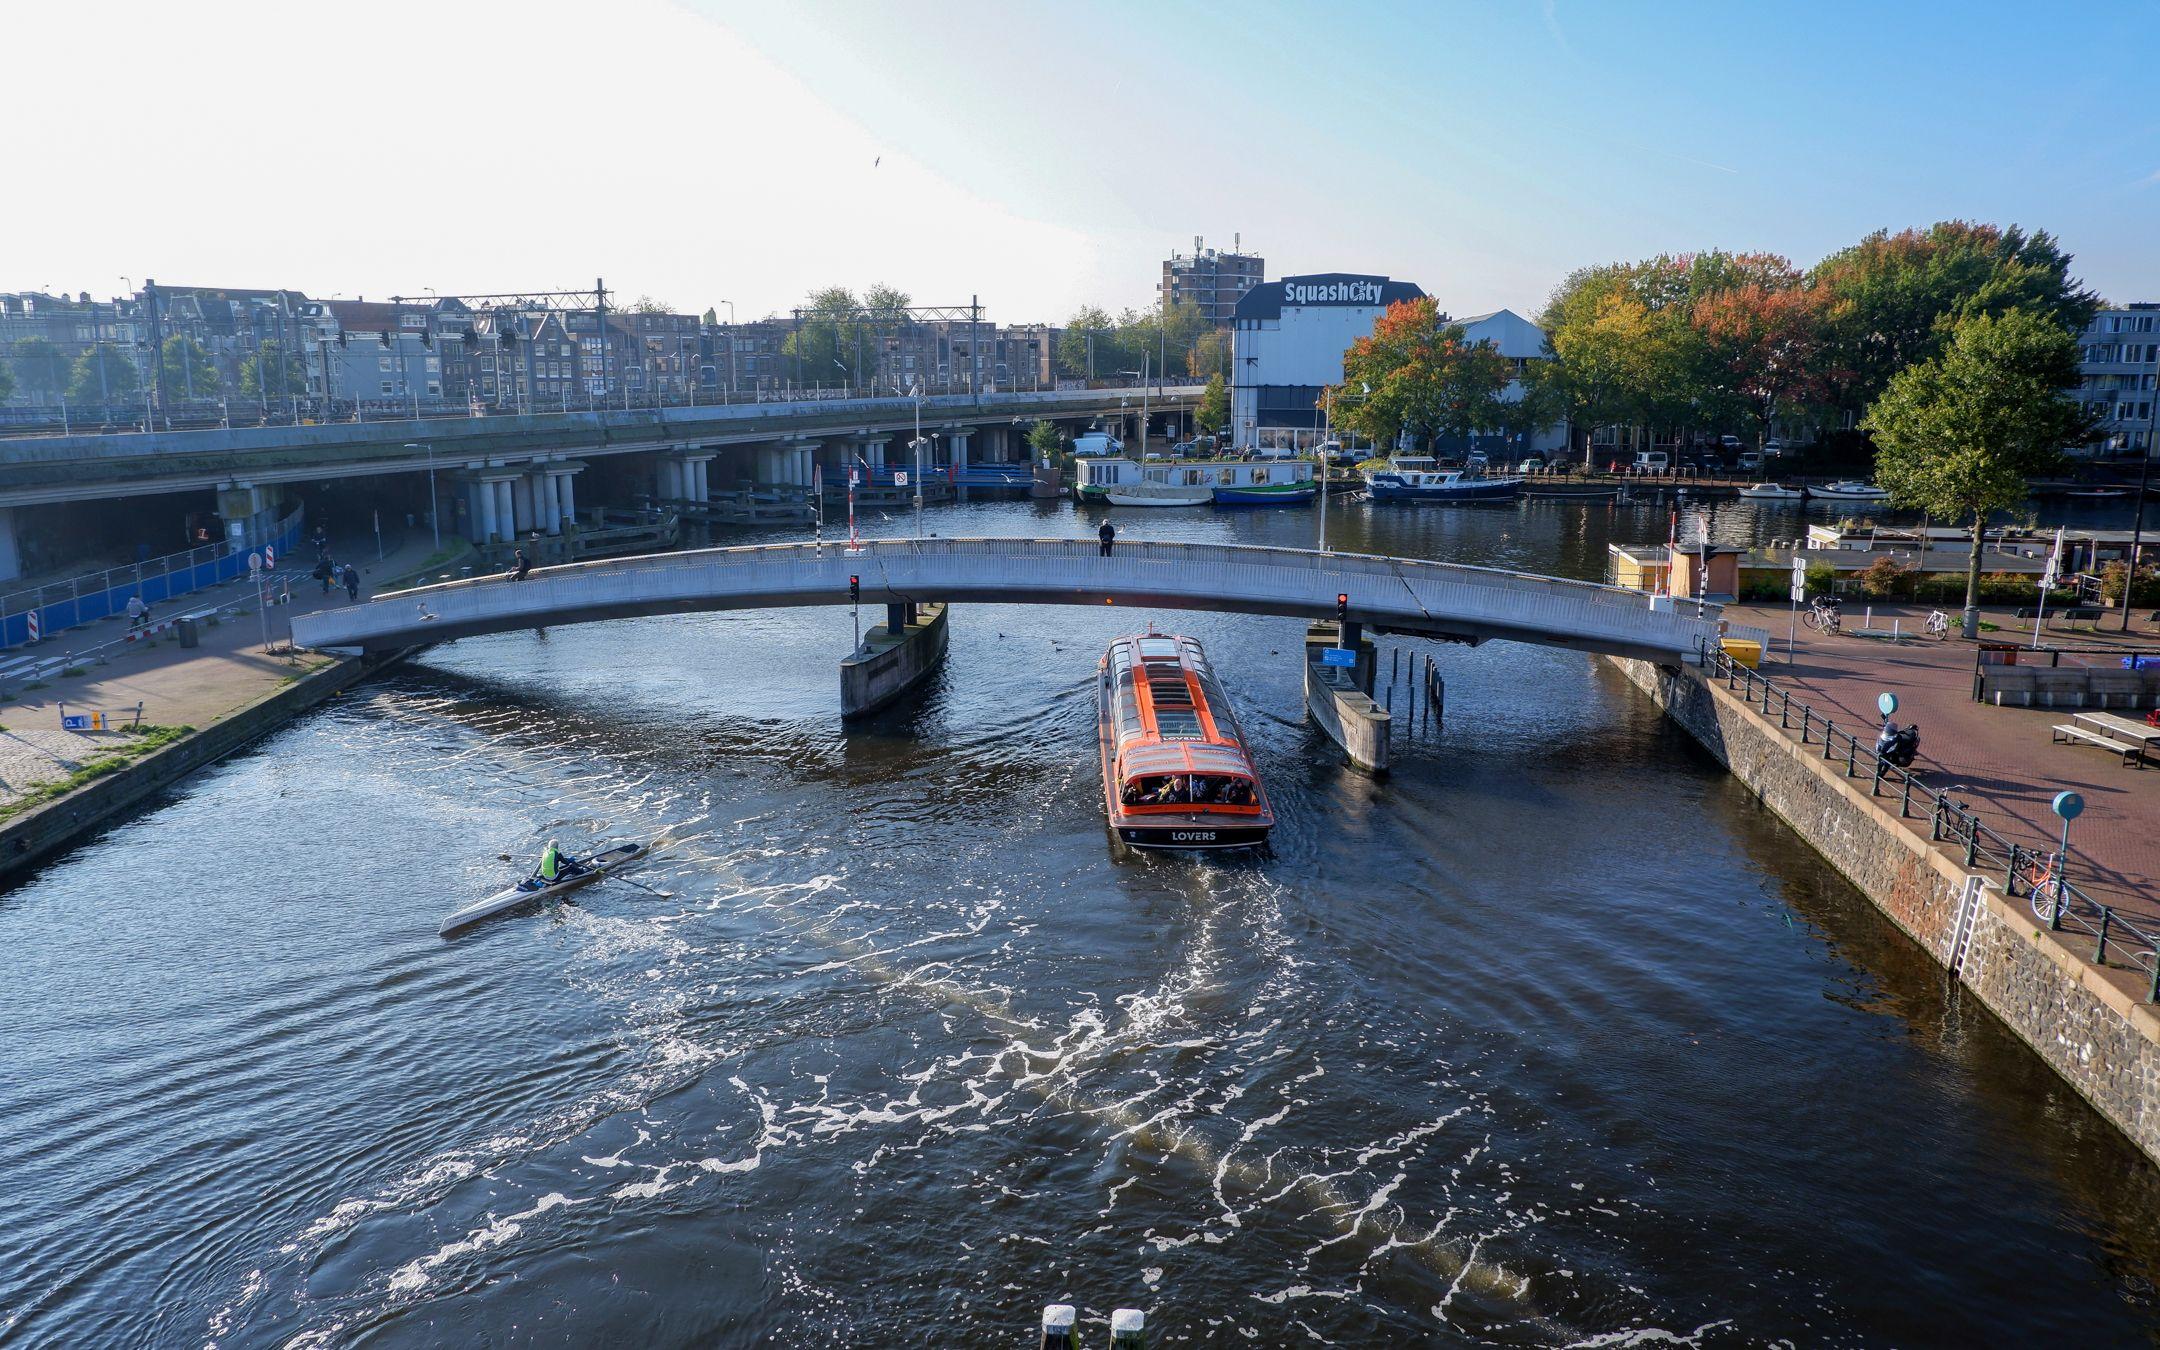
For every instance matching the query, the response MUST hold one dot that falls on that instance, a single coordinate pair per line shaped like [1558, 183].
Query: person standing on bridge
[523, 565]
[1108, 535]
[351, 578]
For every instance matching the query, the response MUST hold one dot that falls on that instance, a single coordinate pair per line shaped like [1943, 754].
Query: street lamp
[434, 517]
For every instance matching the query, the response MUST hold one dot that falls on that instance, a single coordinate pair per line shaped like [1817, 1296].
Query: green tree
[1045, 440]
[7, 382]
[40, 368]
[710, 318]
[1213, 414]
[273, 373]
[189, 371]
[1892, 299]
[1958, 434]
[1093, 345]
[1210, 354]
[1416, 374]
[104, 374]
[838, 337]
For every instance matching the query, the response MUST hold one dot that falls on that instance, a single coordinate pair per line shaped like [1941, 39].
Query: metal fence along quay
[2032, 873]
[61, 605]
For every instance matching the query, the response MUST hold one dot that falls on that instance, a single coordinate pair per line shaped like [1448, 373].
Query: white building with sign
[1287, 343]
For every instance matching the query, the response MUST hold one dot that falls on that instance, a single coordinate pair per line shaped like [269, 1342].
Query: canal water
[1551, 1038]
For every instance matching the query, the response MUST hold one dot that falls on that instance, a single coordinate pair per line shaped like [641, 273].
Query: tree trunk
[1972, 575]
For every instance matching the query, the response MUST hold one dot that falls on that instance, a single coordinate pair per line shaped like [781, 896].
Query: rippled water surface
[1552, 1037]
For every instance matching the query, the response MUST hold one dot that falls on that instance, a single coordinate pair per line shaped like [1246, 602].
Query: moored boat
[1176, 771]
[532, 889]
[1263, 482]
[1772, 492]
[1417, 478]
[1158, 494]
[1848, 490]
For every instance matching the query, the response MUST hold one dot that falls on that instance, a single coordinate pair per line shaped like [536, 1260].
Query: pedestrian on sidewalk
[524, 565]
[324, 571]
[138, 613]
[351, 578]
[1108, 535]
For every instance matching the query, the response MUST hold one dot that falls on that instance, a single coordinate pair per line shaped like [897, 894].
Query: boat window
[1260, 474]
[1157, 648]
[1226, 477]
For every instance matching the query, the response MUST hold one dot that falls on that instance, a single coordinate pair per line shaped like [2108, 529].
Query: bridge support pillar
[959, 441]
[1339, 698]
[547, 502]
[10, 550]
[522, 497]
[568, 475]
[892, 660]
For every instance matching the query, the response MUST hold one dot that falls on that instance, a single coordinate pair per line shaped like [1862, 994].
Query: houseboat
[1225, 482]
[1418, 478]
[1176, 772]
[1093, 478]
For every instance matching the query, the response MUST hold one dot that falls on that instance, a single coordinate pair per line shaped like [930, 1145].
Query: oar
[610, 876]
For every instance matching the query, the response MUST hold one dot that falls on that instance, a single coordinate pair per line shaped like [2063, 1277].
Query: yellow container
[1746, 651]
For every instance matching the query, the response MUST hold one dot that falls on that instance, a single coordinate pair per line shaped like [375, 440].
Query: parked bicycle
[1825, 616]
[1938, 625]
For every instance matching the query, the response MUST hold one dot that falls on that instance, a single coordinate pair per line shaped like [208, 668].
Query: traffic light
[854, 590]
[1342, 608]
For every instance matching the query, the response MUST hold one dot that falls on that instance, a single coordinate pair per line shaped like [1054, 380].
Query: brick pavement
[2004, 760]
[176, 686]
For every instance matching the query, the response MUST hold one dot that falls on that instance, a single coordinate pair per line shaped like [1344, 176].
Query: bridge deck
[1406, 595]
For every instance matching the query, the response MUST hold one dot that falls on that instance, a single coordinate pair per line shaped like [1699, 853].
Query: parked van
[1651, 461]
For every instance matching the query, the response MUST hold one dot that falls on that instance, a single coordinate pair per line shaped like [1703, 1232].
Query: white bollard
[1060, 1327]
[1128, 1329]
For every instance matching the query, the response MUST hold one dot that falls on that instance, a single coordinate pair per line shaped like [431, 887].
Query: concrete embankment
[44, 830]
[2099, 1036]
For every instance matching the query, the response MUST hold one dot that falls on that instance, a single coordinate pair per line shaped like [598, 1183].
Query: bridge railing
[1400, 581]
[2054, 899]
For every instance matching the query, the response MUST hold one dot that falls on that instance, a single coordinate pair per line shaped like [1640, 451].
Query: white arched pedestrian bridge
[1446, 600]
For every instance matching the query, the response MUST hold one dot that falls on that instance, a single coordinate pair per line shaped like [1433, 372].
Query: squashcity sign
[1331, 292]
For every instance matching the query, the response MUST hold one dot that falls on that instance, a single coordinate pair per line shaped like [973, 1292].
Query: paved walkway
[2003, 760]
[176, 686]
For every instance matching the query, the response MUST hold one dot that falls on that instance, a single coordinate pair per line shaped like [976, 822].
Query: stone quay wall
[2102, 1038]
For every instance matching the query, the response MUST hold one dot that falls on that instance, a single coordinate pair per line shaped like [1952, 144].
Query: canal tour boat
[1419, 478]
[533, 890]
[1176, 774]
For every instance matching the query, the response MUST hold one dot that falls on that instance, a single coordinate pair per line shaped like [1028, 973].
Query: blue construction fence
[969, 476]
[62, 605]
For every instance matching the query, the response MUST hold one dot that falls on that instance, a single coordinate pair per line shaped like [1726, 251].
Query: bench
[2065, 733]
[2068, 614]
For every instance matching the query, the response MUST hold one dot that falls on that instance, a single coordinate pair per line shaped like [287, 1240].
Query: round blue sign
[1886, 702]
[2068, 805]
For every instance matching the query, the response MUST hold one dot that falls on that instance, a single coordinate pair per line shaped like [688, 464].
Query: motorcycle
[1898, 745]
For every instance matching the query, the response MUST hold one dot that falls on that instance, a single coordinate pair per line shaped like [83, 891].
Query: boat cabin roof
[1166, 701]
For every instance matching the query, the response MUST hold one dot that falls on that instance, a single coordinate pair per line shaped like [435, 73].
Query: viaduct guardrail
[61, 468]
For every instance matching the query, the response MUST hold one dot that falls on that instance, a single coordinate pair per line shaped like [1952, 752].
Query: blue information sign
[1337, 656]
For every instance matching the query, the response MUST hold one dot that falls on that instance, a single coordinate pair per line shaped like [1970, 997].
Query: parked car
[1533, 464]
[1749, 462]
[1475, 460]
[1730, 442]
[1651, 461]
[1773, 447]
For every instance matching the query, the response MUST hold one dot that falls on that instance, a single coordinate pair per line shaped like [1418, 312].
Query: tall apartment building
[1213, 280]
[2118, 357]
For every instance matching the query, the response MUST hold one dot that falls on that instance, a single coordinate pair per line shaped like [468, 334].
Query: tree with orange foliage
[1768, 343]
[1425, 378]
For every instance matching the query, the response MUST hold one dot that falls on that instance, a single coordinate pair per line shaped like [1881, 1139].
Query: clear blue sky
[1485, 149]
[1045, 155]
